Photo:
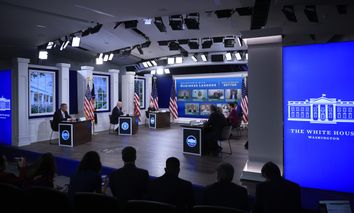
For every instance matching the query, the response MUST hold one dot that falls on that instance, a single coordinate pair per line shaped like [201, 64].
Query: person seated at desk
[60, 115]
[214, 126]
[150, 109]
[116, 113]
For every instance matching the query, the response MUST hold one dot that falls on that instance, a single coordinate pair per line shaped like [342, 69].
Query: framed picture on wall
[102, 92]
[139, 85]
[42, 92]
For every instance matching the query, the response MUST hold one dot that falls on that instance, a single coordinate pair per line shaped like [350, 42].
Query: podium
[128, 125]
[159, 119]
[73, 133]
[193, 139]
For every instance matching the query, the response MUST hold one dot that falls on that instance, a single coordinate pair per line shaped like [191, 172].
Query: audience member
[169, 188]
[276, 195]
[10, 178]
[129, 182]
[87, 178]
[44, 172]
[224, 192]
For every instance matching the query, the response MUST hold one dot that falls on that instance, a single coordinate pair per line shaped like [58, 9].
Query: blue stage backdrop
[318, 115]
[196, 95]
[5, 107]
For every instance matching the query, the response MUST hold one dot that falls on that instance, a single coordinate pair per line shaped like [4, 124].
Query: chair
[11, 196]
[215, 209]
[138, 206]
[44, 200]
[51, 134]
[225, 136]
[94, 202]
[111, 125]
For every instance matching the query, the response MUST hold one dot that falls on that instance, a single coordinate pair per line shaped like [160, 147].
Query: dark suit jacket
[215, 124]
[85, 181]
[58, 117]
[227, 195]
[129, 182]
[278, 196]
[234, 118]
[116, 112]
[150, 109]
[173, 190]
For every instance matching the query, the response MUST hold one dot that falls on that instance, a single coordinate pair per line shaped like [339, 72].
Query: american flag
[137, 105]
[154, 99]
[173, 102]
[89, 107]
[244, 101]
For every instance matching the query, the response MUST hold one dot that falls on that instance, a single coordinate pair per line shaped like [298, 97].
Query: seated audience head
[172, 166]
[2, 163]
[232, 105]
[46, 166]
[90, 162]
[129, 155]
[225, 172]
[64, 107]
[271, 171]
[213, 108]
[119, 104]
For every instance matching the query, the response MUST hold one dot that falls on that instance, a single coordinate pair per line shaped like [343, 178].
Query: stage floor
[153, 148]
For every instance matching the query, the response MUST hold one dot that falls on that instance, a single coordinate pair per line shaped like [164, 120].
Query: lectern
[159, 119]
[73, 133]
[128, 125]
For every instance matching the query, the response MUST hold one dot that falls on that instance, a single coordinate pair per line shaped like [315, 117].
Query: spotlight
[167, 71]
[289, 12]
[147, 21]
[50, 45]
[111, 56]
[173, 46]
[159, 24]
[228, 56]
[43, 54]
[130, 24]
[140, 50]
[145, 64]
[311, 14]
[105, 58]
[159, 71]
[176, 22]
[206, 43]
[99, 61]
[192, 21]
[96, 28]
[229, 42]
[194, 58]
[101, 55]
[224, 13]
[154, 62]
[193, 44]
[239, 41]
[146, 44]
[149, 64]
[153, 72]
[75, 42]
[66, 44]
[204, 57]
[179, 60]
[86, 32]
[170, 60]
[238, 56]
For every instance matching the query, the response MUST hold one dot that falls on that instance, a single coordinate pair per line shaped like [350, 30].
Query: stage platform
[153, 148]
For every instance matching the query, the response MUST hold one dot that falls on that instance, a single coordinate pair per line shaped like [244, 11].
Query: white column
[128, 92]
[20, 92]
[63, 83]
[84, 76]
[148, 89]
[114, 86]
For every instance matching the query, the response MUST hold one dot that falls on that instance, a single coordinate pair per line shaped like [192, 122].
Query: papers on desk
[82, 119]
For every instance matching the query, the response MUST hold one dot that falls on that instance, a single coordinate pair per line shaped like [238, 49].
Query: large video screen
[196, 95]
[5, 107]
[318, 115]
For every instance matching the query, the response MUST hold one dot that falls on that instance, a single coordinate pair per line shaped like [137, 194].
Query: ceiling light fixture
[75, 42]
[194, 58]
[153, 72]
[167, 71]
[228, 56]
[50, 45]
[159, 71]
[204, 57]
[170, 60]
[111, 56]
[179, 60]
[43, 54]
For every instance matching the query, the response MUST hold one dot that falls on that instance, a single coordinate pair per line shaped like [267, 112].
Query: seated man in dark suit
[150, 109]
[169, 188]
[60, 115]
[214, 126]
[224, 192]
[129, 182]
[116, 113]
[277, 195]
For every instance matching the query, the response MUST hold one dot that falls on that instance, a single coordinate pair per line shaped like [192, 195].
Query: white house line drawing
[321, 110]
[4, 104]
